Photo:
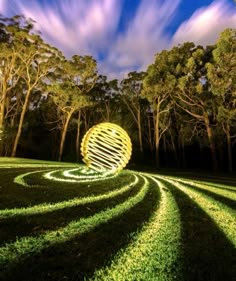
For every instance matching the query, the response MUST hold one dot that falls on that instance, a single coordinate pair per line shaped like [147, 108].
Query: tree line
[180, 112]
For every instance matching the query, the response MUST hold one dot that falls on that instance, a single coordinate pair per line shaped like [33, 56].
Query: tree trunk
[63, 135]
[20, 126]
[229, 148]
[184, 162]
[140, 133]
[107, 105]
[150, 137]
[77, 144]
[2, 115]
[157, 139]
[211, 143]
[174, 150]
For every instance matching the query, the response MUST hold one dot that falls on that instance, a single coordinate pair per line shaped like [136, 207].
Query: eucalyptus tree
[70, 92]
[193, 94]
[85, 75]
[25, 61]
[39, 61]
[131, 89]
[222, 78]
[158, 87]
[105, 98]
[110, 100]
[11, 68]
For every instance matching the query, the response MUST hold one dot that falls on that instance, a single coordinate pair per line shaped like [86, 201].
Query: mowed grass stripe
[10, 162]
[25, 247]
[17, 227]
[221, 214]
[20, 179]
[88, 174]
[216, 185]
[46, 208]
[63, 176]
[201, 242]
[154, 252]
[222, 192]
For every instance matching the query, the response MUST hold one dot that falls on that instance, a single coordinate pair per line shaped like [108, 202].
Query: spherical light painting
[106, 147]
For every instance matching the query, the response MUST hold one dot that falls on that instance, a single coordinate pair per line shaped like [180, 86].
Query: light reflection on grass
[154, 250]
[43, 208]
[26, 246]
[223, 216]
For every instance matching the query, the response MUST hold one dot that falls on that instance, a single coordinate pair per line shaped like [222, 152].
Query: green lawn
[60, 221]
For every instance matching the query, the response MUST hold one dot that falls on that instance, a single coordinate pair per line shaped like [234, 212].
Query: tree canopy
[178, 112]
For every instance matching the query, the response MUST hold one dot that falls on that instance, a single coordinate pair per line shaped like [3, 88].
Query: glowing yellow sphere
[106, 146]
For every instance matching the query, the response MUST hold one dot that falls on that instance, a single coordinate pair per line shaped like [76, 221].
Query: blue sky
[124, 35]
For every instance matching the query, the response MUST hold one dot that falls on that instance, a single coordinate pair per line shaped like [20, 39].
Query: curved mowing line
[25, 247]
[87, 177]
[221, 214]
[211, 184]
[21, 178]
[46, 208]
[219, 186]
[74, 179]
[216, 190]
[86, 174]
[154, 252]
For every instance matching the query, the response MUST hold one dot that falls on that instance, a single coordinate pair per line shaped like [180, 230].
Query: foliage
[176, 112]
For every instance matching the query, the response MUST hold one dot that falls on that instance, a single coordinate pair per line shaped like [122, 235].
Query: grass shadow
[13, 195]
[224, 200]
[79, 257]
[208, 254]
[33, 225]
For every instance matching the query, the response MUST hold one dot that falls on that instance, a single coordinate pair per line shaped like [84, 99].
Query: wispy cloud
[75, 27]
[2, 6]
[91, 27]
[145, 35]
[204, 26]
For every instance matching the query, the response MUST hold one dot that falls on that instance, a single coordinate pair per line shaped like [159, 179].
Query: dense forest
[179, 113]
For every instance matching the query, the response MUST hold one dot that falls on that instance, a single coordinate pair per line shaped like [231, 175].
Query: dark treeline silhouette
[179, 113]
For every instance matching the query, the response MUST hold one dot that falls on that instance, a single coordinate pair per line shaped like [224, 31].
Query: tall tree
[68, 100]
[131, 89]
[39, 60]
[193, 94]
[85, 75]
[11, 68]
[222, 77]
[158, 86]
[69, 93]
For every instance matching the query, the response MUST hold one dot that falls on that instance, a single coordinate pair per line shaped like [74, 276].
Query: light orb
[106, 146]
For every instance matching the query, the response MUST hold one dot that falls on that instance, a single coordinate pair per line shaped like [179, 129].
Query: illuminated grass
[216, 185]
[68, 177]
[155, 250]
[204, 186]
[21, 179]
[221, 214]
[26, 246]
[77, 224]
[9, 162]
[43, 208]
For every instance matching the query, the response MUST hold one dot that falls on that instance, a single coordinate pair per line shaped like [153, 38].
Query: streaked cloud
[204, 26]
[83, 27]
[2, 6]
[144, 36]
[92, 27]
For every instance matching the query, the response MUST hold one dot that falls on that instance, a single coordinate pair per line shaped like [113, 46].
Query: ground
[61, 221]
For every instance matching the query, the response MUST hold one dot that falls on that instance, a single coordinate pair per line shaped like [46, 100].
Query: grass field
[60, 221]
